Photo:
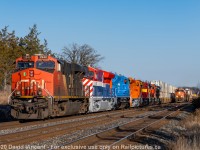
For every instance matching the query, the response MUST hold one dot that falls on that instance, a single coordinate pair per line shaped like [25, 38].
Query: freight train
[182, 94]
[43, 87]
[166, 91]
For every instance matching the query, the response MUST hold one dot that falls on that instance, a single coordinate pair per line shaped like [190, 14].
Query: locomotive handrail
[13, 92]
[51, 101]
[48, 92]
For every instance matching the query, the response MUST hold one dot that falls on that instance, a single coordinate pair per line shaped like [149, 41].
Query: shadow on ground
[5, 115]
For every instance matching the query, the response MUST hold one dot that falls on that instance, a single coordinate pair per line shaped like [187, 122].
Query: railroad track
[113, 137]
[74, 129]
[17, 124]
[36, 134]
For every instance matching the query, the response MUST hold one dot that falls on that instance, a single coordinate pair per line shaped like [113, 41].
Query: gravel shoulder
[167, 135]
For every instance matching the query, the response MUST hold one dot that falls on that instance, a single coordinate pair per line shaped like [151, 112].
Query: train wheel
[84, 108]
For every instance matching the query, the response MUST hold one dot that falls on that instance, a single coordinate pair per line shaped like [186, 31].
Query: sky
[144, 39]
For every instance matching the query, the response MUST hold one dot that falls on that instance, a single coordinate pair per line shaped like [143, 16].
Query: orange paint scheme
[135, 89]
[180, 94]
[29, 80]
[153, 91]
[42, 86]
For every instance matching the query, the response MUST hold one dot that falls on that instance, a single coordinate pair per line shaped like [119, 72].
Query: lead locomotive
[43, 87]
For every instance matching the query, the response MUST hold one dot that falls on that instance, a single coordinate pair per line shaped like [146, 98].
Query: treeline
[12, 47]
[195, 90]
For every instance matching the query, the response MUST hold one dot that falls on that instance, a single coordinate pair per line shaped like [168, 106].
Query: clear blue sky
[145, 39]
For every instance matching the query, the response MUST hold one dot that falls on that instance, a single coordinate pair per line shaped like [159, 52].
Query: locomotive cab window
[24, 65]
[90, 75]
[45, 64]
[99, 76]
[125, 81]
[59, 67]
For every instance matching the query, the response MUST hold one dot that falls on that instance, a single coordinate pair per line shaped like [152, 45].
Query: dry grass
[188, 144]
[190, 138]
[194, 120]
[4, 97]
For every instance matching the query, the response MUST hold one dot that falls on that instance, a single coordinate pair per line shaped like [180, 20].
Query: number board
[42, 57]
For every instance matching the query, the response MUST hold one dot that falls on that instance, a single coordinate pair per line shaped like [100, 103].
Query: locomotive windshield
[24, 65]
[45, 64]
[100, 76]
[90, 74]
[179, 90]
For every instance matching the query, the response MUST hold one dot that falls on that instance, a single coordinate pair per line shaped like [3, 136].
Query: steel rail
[130, 135]
[145, 116]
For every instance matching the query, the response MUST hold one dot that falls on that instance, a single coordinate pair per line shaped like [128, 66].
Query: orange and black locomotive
[43, 87]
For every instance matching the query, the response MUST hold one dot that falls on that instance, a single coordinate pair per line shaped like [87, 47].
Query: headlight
[39, 92]
[18, 93]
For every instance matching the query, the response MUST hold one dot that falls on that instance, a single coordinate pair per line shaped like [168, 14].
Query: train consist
[43, 87]
[167, 91]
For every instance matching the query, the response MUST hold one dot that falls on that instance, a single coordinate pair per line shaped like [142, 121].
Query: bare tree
[82, 54]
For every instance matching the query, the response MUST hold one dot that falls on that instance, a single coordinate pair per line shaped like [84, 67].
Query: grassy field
[190, 138]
